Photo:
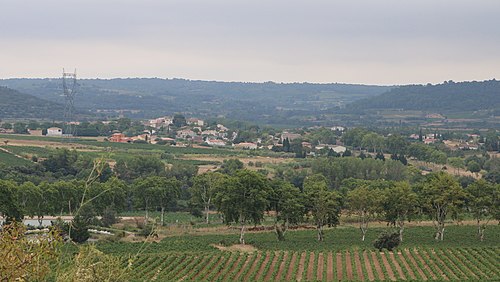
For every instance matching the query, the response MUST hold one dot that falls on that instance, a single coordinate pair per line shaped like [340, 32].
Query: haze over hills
[443, 98]
[14, 104]
[286, 104]
[264, 103]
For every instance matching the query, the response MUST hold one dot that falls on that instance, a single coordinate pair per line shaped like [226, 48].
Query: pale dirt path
[359, 268]
[407, 267]
[302, 261]
[290, 268]
[465, 266]
[368, 266]
[339, 267]
[429, 270]
[321, 264]
[263, 266]
[230, 260]
[233, 267]
[398, 267]
[310, 267]
[388, 268]
[348, 266]
[272, 267]
[195, 277]
[412, 260]
[282, 266]
[243, 267]
[252, 268]
[378, 268]
[329, 267]
[443, 264]
[433, 264]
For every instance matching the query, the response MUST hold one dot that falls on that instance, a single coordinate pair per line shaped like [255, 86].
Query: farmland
[347, 265]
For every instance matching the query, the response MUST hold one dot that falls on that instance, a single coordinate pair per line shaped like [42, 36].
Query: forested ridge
[446, 97]
[14, 104]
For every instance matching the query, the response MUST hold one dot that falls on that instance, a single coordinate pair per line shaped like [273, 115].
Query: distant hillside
[263, 103]
[442, 98]
[14, 104]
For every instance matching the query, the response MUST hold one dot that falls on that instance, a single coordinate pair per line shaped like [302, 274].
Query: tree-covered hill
[264, 103]
[14, 104]
[446, 97]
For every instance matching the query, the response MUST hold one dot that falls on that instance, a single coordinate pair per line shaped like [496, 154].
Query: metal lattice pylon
[69, 91]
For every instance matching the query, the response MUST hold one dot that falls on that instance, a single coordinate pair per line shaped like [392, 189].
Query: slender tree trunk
[242, 233]
[439, 231]
[207, 211]
[480, 230]
[401, 224]
[320, 232]
[162, 215]
[40, 220]
[363, 227]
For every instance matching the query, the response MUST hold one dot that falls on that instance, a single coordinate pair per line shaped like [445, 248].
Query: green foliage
[387, 240]
[230, 166]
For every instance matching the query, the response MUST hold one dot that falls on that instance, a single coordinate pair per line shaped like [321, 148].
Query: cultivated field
[420, 264]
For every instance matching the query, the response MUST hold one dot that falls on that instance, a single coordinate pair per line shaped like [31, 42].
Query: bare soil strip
[206, 261]
[203, 268]
[233, 267]
[321, 263]
[247, 261]
[348, 266]
[420, 272]
[378, 268]
[443, 265]
[230, 260]
[407, 267]
[419, 257]
[252, 268]
[425, 255]
[329, 267]
[282, 266]
[310, 267]
[368, 266]
[263, 266]
[302, 261]
[339, 267]
[290, 268]
[464, 266]
[471, 265]
[272, 267]
[359, 268]
[398, 267]
[387, 266]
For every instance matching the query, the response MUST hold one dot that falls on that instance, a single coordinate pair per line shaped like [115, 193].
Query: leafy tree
[204, 188]
[365, 203]
[285, 201]
[387, 241]
[322, 204]
[242, 199]
[396, 144]
[400, 203]
[9, 205]
[484, 203]
[473, 167]
[20, 128]
[139, 166]
[441, 195]
[179, 120]
[231, 166]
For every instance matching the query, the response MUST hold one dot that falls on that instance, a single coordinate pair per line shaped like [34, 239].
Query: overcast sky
[353, 41]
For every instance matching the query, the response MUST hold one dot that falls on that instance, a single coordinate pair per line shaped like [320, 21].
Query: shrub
[109, 217]
[387, 240]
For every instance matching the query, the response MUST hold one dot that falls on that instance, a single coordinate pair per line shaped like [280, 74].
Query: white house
[246, 145]
[54, 131]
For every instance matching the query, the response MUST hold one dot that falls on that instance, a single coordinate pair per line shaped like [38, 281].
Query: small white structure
[246, 145]
[54, 131]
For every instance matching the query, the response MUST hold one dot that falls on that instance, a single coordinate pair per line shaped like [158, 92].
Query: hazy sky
[354, 41]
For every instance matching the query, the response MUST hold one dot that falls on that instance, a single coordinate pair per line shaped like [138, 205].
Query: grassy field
[12, 160]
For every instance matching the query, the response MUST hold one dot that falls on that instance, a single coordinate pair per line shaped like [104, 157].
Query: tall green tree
[204, 188]
[243, 199]
[400, 203]
[285, 200]
[323, 205]
[440, 196]
[365, 203]
[484, 204]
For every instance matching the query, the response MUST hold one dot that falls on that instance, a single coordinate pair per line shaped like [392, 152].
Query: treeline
[446, 97]
[14, 104]
[367, 189]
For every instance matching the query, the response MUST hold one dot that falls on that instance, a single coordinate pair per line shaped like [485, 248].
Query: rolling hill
[14, 104]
